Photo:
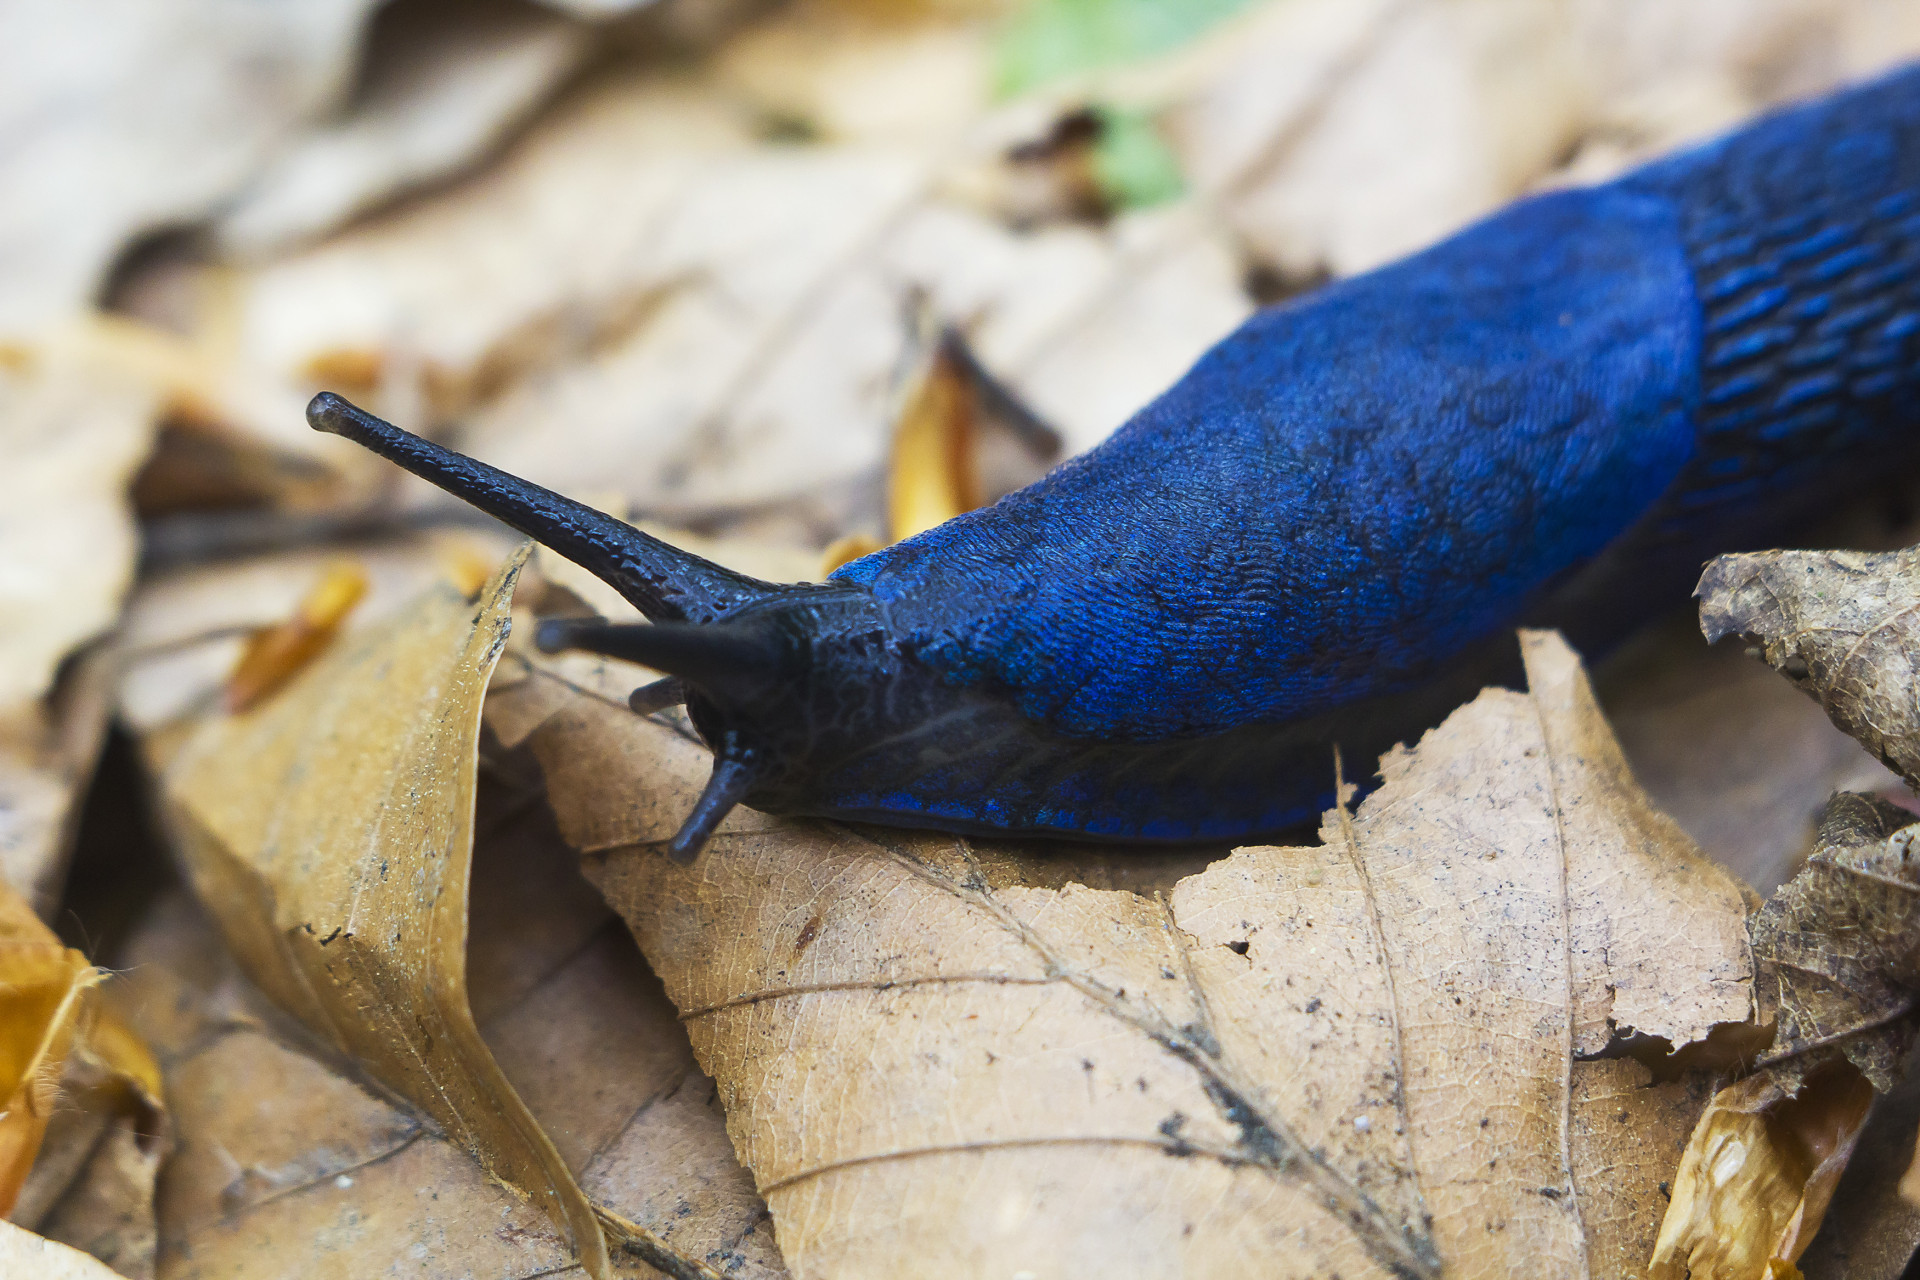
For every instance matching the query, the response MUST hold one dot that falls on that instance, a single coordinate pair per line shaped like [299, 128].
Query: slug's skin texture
[1326, 532]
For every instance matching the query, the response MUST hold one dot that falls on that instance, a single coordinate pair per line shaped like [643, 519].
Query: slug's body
[1327, 530]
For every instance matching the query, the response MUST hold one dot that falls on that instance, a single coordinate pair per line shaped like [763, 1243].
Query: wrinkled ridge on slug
[663, 582]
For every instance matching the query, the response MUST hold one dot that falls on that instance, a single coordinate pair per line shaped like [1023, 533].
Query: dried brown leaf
[289, 1161]
[1843, 626]
[936, 1059]
[1838, 947]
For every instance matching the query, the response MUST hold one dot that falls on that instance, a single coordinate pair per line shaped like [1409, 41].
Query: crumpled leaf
[1841, 625]
[1759, 1172]
[137, 117]
[1838, 947]
[1255, 1063]
[23, 1253]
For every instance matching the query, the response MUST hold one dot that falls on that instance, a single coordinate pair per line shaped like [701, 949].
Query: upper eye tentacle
[662, 581]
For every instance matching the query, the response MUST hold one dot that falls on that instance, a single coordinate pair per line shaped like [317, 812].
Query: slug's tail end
[662, 581]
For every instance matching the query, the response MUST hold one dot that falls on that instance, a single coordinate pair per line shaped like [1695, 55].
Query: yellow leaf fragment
[276, 653]
[330, 833]
[1365, 1057]
[1758, 1174]
[43, 989]
[93, 1186]
[932, 475]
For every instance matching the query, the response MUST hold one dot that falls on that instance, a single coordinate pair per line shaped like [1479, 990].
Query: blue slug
[1326, 532]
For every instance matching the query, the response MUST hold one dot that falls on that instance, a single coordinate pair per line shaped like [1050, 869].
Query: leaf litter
[1048, 1071]
[1283, 177]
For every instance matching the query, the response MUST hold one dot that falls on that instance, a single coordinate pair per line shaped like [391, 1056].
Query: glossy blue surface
[1552, 418]
[1358, 485]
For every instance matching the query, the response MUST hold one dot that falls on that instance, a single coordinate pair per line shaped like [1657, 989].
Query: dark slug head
[783, 681]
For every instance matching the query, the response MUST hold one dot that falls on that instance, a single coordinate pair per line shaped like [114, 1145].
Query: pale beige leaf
[928, 1054]
[125, 117]
[23, 1253]
[72, 429]
[435, 96]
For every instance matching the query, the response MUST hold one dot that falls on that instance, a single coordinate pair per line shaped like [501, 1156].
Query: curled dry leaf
[1259, 1067]
[1838, 947]
[283, 1146]
[1843, 626]
[283, 1141]
[329, 832]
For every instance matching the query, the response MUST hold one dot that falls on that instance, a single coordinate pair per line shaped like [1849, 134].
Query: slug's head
[783, 681]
